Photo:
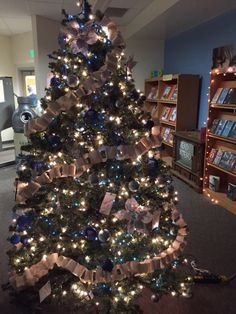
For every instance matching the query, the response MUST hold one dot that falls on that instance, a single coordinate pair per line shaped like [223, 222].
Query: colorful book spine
[217, 158]
[214, 126]
[222, 96]
[227, 128]
[231, 191]
[220, 127]
[216, 96]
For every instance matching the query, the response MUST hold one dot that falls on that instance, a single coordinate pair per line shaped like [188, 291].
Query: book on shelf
[220, 127]
[231, 191]
[227, 161]
[165, 113]
[217, 94]
[170, 138]
[212, 155]
[231, 97]
[166, 92]
[214, 126]
[223, 96]
[166, 134]
[232, 132]
[174, 93]
[214, 183]
[218, 156]
[153, 93]
[227, 128]
[173, 115]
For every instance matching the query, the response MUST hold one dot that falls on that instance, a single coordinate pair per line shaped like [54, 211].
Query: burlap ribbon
[120, 271]
[102, 154]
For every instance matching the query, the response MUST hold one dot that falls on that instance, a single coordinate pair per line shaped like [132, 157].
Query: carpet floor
[212, 240]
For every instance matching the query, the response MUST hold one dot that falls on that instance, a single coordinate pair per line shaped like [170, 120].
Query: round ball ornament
[155, 298]
[91, 117]
[73, 81]
[149, 124]
[93, 179]
[107, 265]
[133, 186]
[104, 235]
[90, 233]
[15, 239]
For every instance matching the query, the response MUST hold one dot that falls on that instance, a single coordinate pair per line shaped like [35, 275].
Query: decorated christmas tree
[95, 220]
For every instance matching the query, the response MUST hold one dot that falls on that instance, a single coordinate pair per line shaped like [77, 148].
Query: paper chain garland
[119, 272]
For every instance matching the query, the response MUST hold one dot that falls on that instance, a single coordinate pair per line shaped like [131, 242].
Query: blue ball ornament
[61, 40]
[91, 117]
[91, 233]
[24, 240]
[55, 82]
[15, 239]
[107, 265]
[149, 124]
[23, 220]
[55, 142]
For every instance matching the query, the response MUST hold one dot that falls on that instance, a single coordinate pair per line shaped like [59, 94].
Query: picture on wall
[223, 58]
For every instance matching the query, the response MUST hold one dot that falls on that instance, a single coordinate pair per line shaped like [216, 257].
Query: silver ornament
[104, 235]
[73, 80]
[133, 186]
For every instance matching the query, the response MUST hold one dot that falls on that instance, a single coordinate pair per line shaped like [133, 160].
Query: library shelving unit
[222, 112]
[185, 102]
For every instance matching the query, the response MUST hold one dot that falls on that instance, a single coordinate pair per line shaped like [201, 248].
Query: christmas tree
[95, 220]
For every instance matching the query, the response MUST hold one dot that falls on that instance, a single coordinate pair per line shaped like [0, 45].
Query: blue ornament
[24, 240]
[55, 141]
[61, 41]
[107, 265]
[63, 69]
[91, 117]
[149, 124]
[90, 233]
[15, 239]
[105, 288]
[116, 139]
[23, 220]
[55, 82]
[37, 165]
[77, 235]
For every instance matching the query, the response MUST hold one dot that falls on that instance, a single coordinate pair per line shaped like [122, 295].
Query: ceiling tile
[18, 25]
[13, 8]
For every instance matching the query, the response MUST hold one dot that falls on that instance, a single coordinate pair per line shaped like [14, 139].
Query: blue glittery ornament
[116, 139]
[15, 239]
[91, 117]
[55, 141]
[37, 165]
[149, 124]
[90, 233]
[24, 240]
[61, 40]
[55, 82]
[23, 220]
[105, 288]
[107, 265]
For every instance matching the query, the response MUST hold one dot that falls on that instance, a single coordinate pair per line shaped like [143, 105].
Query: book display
[220, 156]
[173, 101]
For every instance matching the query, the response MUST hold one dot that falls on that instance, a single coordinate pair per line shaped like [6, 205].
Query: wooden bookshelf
[186, 104]
[221, 199]
[221, 112]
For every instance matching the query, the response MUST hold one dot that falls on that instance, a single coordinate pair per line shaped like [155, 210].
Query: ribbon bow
[138, 216]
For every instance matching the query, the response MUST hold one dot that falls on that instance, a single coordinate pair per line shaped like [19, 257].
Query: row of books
[153, 94]
[170, 92]
[168, 114]
[167, 135]
[223, 159]
[214, 185]
[226, 128]
[224, 96]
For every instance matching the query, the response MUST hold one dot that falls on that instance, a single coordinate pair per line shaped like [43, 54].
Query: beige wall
[45, 33]
[14, 56]
[149, 55]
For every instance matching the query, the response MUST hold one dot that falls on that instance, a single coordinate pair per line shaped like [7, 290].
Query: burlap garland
[102, 154]
[94, 81]
[119, 272]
